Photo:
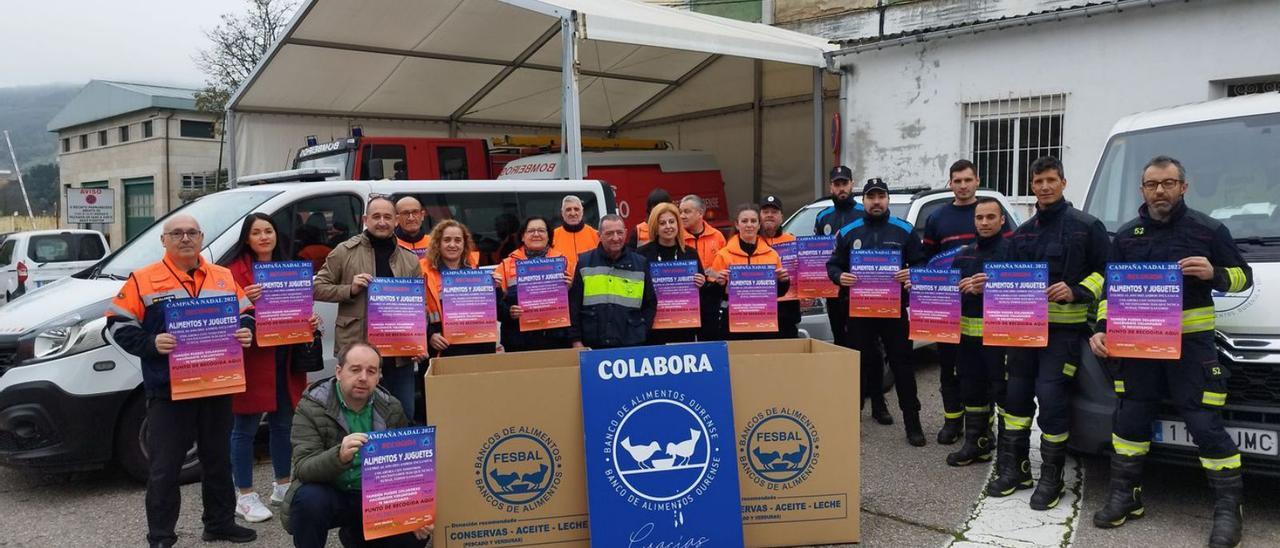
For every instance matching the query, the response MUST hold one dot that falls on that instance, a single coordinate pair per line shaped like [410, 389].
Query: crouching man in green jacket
[330, 426]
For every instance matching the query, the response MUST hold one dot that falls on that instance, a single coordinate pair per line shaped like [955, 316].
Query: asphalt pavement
[910, 497]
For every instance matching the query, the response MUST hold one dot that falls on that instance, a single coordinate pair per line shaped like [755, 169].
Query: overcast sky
[74, 41]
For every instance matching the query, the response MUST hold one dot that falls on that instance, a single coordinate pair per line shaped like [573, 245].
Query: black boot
[915, 434]
[951, 430]
[1013, 463]
[1124, 498]
[1053, 459]
[977, 440]
[880, 411]
[1228, 508]
[230, 533]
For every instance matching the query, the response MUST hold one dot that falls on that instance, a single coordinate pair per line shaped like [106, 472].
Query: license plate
[1249, 440]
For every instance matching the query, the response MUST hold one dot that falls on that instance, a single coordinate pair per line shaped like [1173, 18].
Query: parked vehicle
[1231, 150]
[913, 205]
[71, 400]
[31, 260]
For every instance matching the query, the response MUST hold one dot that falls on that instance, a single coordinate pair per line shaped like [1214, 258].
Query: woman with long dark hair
[535, 241]
[667, 243]
[270, 387]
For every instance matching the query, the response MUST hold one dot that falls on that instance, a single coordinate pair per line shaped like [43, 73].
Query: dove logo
[518, 469]
[662, 453]
[779, 448]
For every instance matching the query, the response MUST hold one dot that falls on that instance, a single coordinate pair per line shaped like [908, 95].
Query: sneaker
[250, 508]
[277, 493]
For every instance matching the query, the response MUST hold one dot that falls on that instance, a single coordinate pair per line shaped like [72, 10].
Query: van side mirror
[375, 170]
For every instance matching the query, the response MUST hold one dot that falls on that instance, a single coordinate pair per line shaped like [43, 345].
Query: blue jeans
[244, 428]
[401, 382]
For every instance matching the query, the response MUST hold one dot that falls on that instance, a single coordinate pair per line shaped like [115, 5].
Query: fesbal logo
[518, 469]
[779, 448]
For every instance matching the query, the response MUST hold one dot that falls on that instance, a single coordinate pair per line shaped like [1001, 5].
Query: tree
[42, 188]
[236, 46]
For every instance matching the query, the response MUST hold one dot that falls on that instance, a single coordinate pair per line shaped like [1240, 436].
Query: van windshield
[216, 213]
[1233, 174]
[334, 161]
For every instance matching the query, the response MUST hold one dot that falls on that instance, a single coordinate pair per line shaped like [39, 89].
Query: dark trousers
[172, 426]
[949, 380]
[709, 310]
[401, 381]
[838, 315]
[319, 507]
[875, 338]
[982, 374]
[1044, 375]
[789, 319]
[1197, 385]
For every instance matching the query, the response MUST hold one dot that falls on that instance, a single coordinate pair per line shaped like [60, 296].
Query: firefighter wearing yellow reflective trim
[1074, 245]
[1166, 230]
[981, 369]
[611, 301]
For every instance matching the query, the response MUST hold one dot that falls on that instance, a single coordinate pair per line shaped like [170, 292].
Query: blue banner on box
[660, 448]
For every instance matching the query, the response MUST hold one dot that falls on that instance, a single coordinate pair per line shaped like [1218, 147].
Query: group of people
[316, 431]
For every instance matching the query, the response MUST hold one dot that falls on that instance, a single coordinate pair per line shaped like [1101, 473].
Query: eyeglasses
[1167, 184]
[536, 231]
[183, 234]
[411, 214]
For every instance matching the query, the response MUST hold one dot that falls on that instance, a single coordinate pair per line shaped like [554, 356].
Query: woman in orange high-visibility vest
[746, 248]
[451, 248]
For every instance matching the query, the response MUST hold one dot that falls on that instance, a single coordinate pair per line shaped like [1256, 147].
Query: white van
[1231, 151]
[70, 400]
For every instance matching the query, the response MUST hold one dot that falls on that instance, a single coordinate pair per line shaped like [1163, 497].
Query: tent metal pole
[818, 154]
[757, 130]
[570, 117]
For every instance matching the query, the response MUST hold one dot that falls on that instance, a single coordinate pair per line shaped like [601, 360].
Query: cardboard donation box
[511, 467]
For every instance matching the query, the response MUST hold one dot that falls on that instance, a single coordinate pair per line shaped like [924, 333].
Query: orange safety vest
[732, 254]
[706, 244]
[418, 248]
[431, 276]
[781, 239]
[572, 244]
[642, 234]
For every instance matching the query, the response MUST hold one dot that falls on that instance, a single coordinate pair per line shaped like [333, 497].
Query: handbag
[307, 357]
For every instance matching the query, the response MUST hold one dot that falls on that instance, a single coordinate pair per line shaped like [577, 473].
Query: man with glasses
[409, 233]
[1168, 231]
[136, 320]
[345, 277]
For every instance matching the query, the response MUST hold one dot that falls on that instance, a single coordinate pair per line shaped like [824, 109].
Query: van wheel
[131, 446]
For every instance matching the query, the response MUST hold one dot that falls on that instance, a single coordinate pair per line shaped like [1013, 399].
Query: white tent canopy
[489, 67]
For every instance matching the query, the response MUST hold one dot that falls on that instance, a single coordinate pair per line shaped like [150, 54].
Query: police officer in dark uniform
[830, 221]
[1074, 244]
[946, 230]
[981, 368]
[880, 230]
[1166, 230]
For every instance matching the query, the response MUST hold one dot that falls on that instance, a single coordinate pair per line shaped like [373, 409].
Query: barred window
[1004, 136]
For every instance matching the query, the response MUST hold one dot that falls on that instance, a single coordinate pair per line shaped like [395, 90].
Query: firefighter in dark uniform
[880, 230]
[830, 222]
[981, 369]
[1074, 244]
[1166, 230]
[946, 230]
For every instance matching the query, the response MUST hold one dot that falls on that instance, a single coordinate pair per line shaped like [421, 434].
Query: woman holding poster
[451, 242]
[535, 243]
[759, 316]
[270, 386]
[678, 301]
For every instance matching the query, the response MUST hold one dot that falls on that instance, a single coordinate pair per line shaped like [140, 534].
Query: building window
[84, 142]
[66, 144]
[124, 134]
[1004, 136]
[197, 129]
[198, 184]
[102, 138]
[1251, 87]
[146, 129]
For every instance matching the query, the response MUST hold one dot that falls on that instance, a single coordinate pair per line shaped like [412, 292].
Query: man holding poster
[870, 264]
[202, 303]
[1073, 244]
[830, 221]
[611, 300]
[1167, 231]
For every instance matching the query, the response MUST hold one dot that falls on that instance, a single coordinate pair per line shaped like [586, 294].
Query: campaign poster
[1144, 310]
[542, 293]
[469, 309]
[812, 253]
[945, 259]
[397, 320]
[398, 481]
[660, 451]
[934, 309]
[790, 262]
[877, 294]
[283, 313]
[678, 305]
[753, 298]
[207, 361]
[1015, 311]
